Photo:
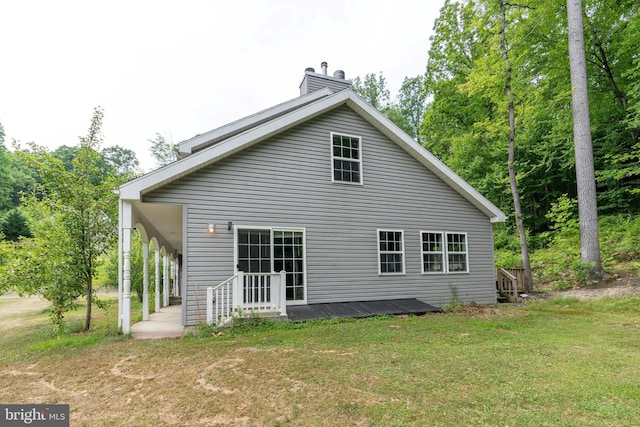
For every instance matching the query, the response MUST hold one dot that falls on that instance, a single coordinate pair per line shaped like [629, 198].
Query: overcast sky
[182, 68]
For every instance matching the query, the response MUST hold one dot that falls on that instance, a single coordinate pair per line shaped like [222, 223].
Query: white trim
[135, 188]
[271, 230]
[428, 160]
[442, 252]
[404, 269]
[465, 253]
[358, 160]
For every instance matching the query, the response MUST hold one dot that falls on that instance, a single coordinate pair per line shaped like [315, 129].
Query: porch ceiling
[164, 222]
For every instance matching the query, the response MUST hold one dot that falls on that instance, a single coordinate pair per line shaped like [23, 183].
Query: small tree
[14, 225]
[73, 223]
[163, 151]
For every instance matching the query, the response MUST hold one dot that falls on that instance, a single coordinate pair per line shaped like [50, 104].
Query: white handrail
[245, 293]
[218, 306]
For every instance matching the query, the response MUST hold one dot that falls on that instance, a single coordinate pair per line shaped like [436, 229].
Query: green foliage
[6, 181]
[373, 89]
[557, 262]
[163, 151]
[620, 238]
[121, 162]
[72, 215]
[14, 225]
[465, 121]
[563, 215]
[137, 262]
[455, 303]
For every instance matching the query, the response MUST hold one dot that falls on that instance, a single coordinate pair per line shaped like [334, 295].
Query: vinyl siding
[286, 182]
[313, 82]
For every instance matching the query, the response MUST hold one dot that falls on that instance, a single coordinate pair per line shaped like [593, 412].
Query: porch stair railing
[246, 293]
[507, 285]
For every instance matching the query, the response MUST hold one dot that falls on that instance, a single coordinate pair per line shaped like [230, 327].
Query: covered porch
[159, 226]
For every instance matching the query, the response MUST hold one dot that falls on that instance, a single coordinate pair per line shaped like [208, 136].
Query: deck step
[175, 300]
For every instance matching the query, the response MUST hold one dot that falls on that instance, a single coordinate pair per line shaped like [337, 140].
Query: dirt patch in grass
[621, 283]
[17, 312]
[146, 383]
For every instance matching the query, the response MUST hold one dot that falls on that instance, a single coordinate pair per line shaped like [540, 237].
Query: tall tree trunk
[585, 175]
[87, 319]
[528, 281]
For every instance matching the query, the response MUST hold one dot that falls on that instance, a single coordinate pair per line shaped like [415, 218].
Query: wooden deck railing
[507, 284]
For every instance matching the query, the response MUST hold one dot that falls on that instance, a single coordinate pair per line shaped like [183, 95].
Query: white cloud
[183, 68]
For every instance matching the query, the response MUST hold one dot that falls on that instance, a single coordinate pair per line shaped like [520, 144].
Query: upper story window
[346, 158]
[391, 251]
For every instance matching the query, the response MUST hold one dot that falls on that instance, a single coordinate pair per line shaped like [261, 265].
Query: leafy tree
[163, 151]
[67, 155]
[508, 73]
[465, 119]
[412, 103]
[6, 184]
[407, 112]
[462, 124]
[122, 161]
[73, 224]
[24, 179]
[373, 89]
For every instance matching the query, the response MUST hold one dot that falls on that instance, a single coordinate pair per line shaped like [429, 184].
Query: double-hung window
[457, 255]
[432, 252]
[444, 252]
[391, 251]
[346, 158]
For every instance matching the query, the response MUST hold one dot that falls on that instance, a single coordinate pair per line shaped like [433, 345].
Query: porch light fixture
[212, 227]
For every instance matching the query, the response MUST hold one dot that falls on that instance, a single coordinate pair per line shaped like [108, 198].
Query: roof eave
[188, 146]
[133, 190]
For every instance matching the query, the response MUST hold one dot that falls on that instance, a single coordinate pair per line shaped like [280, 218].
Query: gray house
[319, 199]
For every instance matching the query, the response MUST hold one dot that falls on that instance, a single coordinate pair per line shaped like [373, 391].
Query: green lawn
[558, 363]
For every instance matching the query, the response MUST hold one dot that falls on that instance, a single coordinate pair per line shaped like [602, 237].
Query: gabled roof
[199, 142]
[235, 137]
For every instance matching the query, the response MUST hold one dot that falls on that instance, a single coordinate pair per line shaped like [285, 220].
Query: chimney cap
[324, 65]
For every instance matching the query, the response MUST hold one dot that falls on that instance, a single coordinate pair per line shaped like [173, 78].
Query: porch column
[165, 279]
[176, 280]
[172, 265]
[145, 280]
[157, 276]
[120, 278]
[126, 267]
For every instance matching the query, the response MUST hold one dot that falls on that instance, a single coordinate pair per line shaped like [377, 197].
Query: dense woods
[466, 120]
[495, 99]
